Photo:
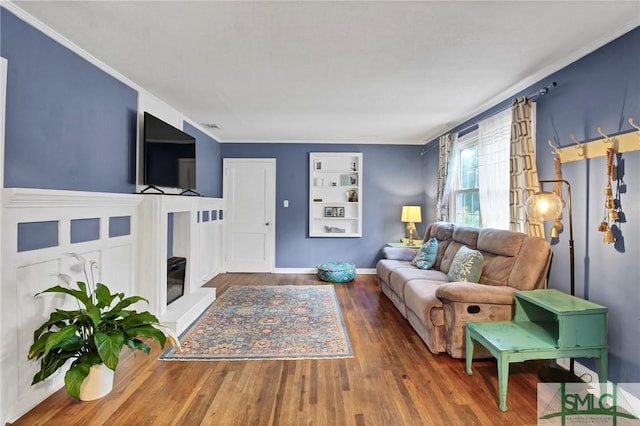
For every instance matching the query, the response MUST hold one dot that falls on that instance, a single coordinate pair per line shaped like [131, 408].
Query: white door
[249, 193]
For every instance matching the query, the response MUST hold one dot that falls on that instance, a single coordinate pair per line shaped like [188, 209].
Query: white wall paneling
[3, 92]
[135, 264]
[28, 272]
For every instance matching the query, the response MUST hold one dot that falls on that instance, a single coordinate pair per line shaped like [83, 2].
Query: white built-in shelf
[335, 194]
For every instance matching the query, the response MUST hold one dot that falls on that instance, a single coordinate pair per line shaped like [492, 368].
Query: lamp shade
[411, 214]
[543, 206]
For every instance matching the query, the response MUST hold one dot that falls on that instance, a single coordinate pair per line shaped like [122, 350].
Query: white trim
[361, 271]
[500, 97]
[48, 198]
[470, 139]
[48, 31]
[538, 76]
[582, 371]
[3, 92]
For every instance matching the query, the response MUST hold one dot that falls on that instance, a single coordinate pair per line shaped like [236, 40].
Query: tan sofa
[438, 309]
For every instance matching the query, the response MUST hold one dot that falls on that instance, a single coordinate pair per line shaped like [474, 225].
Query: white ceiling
[363, 72]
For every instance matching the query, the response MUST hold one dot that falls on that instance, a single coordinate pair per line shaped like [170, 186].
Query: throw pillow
[426, 256]
[466, 266]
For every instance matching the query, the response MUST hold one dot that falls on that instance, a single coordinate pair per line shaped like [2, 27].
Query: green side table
[417, 245]
[547, 324]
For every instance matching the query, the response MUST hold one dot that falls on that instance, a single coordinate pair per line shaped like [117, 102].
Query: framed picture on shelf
[340, 212]
[328, 212]
[317, 165]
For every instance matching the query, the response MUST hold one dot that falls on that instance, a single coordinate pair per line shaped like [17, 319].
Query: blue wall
[208, 163]
[600, 90]
[69, 125]
[392, 176]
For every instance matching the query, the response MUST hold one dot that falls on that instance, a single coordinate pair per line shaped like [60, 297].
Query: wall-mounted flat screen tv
[169, 155]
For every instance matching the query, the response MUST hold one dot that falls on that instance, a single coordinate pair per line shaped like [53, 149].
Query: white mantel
[192, 239]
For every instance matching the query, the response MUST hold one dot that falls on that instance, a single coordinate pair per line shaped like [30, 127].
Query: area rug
[267, 322]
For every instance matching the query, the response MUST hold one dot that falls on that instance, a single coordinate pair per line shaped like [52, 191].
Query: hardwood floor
[393, 379]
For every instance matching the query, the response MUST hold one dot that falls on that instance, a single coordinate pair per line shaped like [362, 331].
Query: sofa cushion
[426, 256]
[466, 266]
[420, 298]
[466, 235]
[385, 267]
[473, 293]
[443, 232]
[401, 276]
[531, 266]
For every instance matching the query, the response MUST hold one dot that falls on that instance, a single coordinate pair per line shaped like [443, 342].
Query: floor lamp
[546, 206]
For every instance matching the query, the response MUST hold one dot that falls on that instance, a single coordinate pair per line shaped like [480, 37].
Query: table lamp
[411, 215]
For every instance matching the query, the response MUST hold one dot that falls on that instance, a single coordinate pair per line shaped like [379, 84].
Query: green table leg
[503, 378]
[601, 365]
[469, 351]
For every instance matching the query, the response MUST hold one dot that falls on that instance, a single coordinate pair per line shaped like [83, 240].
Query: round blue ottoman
[337, 272]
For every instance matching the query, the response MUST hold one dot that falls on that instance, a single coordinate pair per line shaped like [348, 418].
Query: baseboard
[591, 377]
[362, 271]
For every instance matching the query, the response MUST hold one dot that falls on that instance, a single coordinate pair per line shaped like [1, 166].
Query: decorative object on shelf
[334, 230]
[334, 211]
[352, 196]
[317, 165]
[547, 206]
[92, 335]
[411, 215]
[337, 272]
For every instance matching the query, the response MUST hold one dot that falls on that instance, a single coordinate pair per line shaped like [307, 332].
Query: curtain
[446, 160]
[494, 141]
[524, 173]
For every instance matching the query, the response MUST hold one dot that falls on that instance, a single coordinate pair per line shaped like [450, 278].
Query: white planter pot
[98, 383]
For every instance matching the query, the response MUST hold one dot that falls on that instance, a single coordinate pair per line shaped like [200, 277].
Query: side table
[403, 245]
[547, 324]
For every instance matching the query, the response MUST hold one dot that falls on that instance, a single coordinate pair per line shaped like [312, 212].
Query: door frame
[226, 197]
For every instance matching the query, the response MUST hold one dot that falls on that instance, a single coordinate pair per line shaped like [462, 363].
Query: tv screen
[169, 155]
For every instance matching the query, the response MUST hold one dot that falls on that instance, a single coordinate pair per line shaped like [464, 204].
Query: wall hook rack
[623, 142]
[554, 149]
[578, 146]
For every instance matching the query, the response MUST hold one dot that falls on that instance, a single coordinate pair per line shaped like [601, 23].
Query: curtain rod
[536, 94]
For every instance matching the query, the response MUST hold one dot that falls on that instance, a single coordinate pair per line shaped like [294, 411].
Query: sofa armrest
[476, 293]
[398, 253]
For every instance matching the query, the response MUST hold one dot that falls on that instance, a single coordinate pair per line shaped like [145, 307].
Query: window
[480, 187]
[466, 200]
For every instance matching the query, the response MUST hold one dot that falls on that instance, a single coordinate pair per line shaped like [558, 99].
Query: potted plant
[92, 336]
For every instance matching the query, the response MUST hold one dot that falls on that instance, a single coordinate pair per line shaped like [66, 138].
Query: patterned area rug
[267, 322]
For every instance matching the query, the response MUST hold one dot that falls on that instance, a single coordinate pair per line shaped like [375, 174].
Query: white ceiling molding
[331, 72]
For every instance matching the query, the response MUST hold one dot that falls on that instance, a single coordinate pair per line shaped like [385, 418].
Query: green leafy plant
[93, 334]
